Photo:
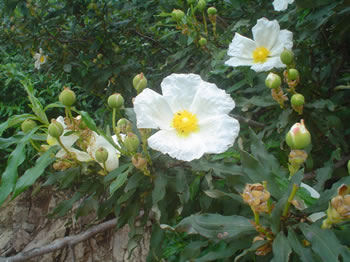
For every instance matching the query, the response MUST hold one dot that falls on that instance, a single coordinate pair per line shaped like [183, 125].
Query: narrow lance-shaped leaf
[281, 249]
[32, 174]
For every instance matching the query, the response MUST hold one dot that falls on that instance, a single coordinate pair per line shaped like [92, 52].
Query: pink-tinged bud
[67, 97]
[298, 136]
[55, 129]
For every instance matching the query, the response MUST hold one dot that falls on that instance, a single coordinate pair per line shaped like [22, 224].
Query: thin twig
[249, 122]
[152, 40]
[60, 243]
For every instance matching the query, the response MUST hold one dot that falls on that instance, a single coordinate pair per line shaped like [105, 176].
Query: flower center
[42, 59]
[260, 54]
[185, 123]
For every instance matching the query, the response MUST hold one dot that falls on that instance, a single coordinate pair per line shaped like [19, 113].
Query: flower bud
[190, 2]
[273, 81]
[212, 11]
[139, 82]
[101, 155]
[201, 5]
[298, 136]
[131, 142]
[256, 196]
[99, 56]
[115, 101]
[293, 74]
[287, 57]
[55, 129]
[67, 97]
[27, 125]
[177, 15]
[298, 100]
[139, 161]
[202, 41]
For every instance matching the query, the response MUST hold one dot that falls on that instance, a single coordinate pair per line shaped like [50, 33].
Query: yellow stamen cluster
[185, 123]
[260, 54]
[42, 59]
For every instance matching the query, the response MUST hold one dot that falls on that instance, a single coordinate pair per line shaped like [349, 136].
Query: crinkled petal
[280, 5]
[80, 155]
[236, 61]
[241, 47]
[69, 141]
[218, 133]
[182, 148]
[152, 110]
[180, 89]
[272, 62]
[265, 33]
[210, 101]
[285, 40]
[37, 65]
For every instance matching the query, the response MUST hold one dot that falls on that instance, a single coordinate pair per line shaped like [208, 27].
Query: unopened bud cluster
[339, 208]
[256, 196]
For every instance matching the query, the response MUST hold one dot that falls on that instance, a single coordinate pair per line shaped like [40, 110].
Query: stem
[69, 114]
[34, 145]
[205, 23]
[113, 120]
[144, 148]
[105, 168]
[290, 199]
[61, 144]
[256, 217]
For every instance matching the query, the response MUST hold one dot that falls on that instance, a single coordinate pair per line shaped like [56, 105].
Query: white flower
[262, 53]
[40, 59]
[192, 116]
[97, 142]
[280, 5]
[68, 141]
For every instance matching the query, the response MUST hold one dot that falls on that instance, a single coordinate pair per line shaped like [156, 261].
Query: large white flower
[68, 141]
[192, 116]
[262, 53]
[97, 142]
[280, 5]
[40, 59]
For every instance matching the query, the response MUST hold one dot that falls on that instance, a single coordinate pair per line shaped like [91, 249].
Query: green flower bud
[287, 57]
[190, 2]
[349, 167]
[115, 101]
[212, 11]
[55, 129]
[297, 100]
[273, 81]
[177, 15]
[101, 155]
[139, 82]
[202, 41]
[201, 5]
[67, 97]
[298, 136]
[131, 142]
[99, 56]
[27, 125]
[293, 74]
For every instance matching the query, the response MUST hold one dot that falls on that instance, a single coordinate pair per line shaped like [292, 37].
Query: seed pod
[55, 129]
[298, 100]
[27, 125]
[115, 101]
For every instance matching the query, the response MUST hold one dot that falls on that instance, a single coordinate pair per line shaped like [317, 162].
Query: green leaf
[36, 105]
[9, 177]
[158, 192]
[118, 182]
[253, 248]
[32, 174]
[324, 243]
[192, 250]
[116, 172]
[216, 226]
[220, 169]
[281, 249]
[305, 254]
[66, 205]
[88, 121]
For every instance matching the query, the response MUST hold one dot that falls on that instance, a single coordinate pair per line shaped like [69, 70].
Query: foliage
[97, 46]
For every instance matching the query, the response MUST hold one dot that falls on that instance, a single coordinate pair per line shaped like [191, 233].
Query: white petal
[265, 33]
[60, 120]
[179, 90]
[241, 47]
[236, 61]
[182, 148]
[210, 101]
[218, 133]
[152, 110]
[61, 153]
[80, 155]
[69, 141]
[285, 40]
[280, 5]
[316, 216]
[312, 191]
[37, 56]
[112, 160]
[272, 62]
[37, 65]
